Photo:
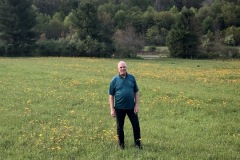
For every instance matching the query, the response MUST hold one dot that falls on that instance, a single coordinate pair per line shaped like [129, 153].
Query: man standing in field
[123, 99]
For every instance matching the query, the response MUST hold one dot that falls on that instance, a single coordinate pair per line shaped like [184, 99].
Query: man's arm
[136, 108]
[111, 102]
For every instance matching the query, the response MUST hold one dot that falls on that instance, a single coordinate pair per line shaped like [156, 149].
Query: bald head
[122, 68]
[122, 63]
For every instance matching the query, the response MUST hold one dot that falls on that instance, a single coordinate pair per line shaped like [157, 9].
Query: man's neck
[123, 75]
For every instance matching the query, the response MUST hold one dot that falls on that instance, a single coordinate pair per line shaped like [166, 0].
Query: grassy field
[57, 108]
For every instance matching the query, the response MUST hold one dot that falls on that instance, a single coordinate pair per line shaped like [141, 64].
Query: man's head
[122, 68]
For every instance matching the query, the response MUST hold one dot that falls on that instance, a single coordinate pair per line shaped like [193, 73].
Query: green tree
[86, 21]
[137, 21]
[188, 3]
[163, 4]
[121, 19]
[230, 14]
[182, 40]
[148, 18]
[41, 21]
[17, 19]
[216, 9]
[234, 34]
[164, 19]
[207, 24]
[204, 12]
[143, 4]
[156, 36]
[109, 8]
[49, 7]
[153, 36]
[51, 28]
[91, 30]
[174, 10]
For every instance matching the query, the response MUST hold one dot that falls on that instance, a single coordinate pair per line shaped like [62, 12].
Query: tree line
[119, 28]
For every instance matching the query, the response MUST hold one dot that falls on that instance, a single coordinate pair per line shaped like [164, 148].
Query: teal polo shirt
[123, 90]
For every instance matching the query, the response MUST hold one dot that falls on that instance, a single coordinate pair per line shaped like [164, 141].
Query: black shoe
[122, 146]
[139, 146]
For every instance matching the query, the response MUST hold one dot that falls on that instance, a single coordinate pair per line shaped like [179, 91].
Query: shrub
[2, 49]
[232, 34]
[214, 51]
[46, 48]
[152, 48]
[65, 47]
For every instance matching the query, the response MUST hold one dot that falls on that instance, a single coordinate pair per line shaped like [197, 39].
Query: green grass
[57, 108]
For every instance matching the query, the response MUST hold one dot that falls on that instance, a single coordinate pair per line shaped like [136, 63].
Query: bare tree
[127, 42]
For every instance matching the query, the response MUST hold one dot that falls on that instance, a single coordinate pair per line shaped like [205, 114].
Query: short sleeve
[135, 86]
[111, 90]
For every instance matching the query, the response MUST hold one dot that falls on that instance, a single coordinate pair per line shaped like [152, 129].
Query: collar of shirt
[122, 76]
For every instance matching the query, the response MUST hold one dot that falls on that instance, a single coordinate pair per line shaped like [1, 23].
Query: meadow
[57, 108]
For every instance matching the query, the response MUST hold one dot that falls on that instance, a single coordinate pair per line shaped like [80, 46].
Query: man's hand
[136, 109]
[113, 113]
[111, 102]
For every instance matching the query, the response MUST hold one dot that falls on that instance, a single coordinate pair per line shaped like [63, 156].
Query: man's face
[122, 68]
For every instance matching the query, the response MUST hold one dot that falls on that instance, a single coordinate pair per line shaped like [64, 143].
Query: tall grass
[57, 108]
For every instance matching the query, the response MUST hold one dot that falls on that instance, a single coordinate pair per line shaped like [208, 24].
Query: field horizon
[57, 108]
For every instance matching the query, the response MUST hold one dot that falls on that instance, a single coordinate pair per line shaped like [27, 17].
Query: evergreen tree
[86, 20]
[17, 19]
[183, 40]
[93, 33]
[50, 7]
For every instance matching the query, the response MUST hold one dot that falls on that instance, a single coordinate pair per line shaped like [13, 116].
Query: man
[123, 99]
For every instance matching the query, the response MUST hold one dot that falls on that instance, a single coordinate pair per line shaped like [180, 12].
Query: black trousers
[120, 119]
